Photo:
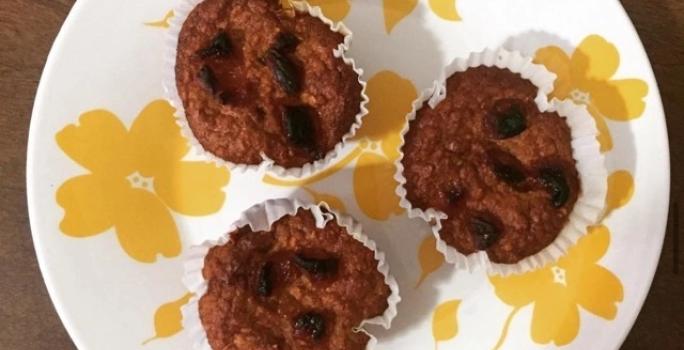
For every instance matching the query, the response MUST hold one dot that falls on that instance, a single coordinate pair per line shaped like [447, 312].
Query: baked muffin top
[295, 286]
[501, 170]
[255, 79]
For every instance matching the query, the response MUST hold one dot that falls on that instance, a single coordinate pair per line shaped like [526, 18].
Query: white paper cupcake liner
[171, 91]
[590, 163]
[260, 218]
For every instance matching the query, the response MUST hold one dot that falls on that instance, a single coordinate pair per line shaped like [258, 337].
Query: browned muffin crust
[293, 287]
[500, 169]
[242, 63]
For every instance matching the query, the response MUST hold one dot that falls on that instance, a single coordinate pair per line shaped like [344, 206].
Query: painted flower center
[138, 181]
[559, 276]
[580, 96]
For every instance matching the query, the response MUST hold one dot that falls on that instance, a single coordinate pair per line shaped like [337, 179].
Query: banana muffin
[258, 80]
[295, 286]
[501, 170]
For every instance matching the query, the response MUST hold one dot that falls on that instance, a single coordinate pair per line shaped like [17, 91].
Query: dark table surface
[27, 317]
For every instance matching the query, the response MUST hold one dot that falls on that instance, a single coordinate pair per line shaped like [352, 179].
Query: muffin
[501, 170]
[257, 81]
[297, 285]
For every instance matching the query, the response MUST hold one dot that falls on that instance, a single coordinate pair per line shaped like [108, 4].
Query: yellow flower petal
[556, 291]
[374, 186]
[555, 317]
[192, 188]
[429, 258]
[390, 97]
[336, 10]
[145, 227]
[620, 190]
[595, 59]
[445, 320]
[332, 201]
[620, 100]
[168, 319]
[99, 143]
[599, 291]
[520, 290]
[156, 140]
[445, 9]
[162, 23]
[390, 146]
[604, 138]
[588, 250]
[87, 203]
[557, 62]
[396, 10]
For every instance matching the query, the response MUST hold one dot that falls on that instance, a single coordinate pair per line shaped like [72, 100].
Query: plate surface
[115, 196]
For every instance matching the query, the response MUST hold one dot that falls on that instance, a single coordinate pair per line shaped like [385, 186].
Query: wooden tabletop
[27, 318]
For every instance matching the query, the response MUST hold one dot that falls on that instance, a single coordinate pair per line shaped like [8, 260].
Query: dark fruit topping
[312, 324]
[507, 168]
[219, 46]
[299, 127]
[511, 124]
[265, 283]
[453, 195]
[509, 174]
[284, 71]
[317, 267]
[486, 232]
[555, 183]
[208, 79]
[285, 42]
[224, 97]
[507, 118]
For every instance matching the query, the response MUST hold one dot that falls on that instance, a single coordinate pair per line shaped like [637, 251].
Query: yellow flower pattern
[396, 10]
[429, 258]
[587, 78]
[135, 177]
[168, 320]
[333, 201]
[620, 191]
[558, 291]
[391, 97]
[445, 321]
[162, 23]
[336, 10]
[445, 9]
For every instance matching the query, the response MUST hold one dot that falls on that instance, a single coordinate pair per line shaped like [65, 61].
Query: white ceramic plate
[110, 185]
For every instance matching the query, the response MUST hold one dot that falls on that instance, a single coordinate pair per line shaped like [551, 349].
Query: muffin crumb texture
[501, 170]
[293, 287]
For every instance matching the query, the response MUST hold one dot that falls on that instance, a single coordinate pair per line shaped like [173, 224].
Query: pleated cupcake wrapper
[590, 164]
[171, 91]
[260, 218]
